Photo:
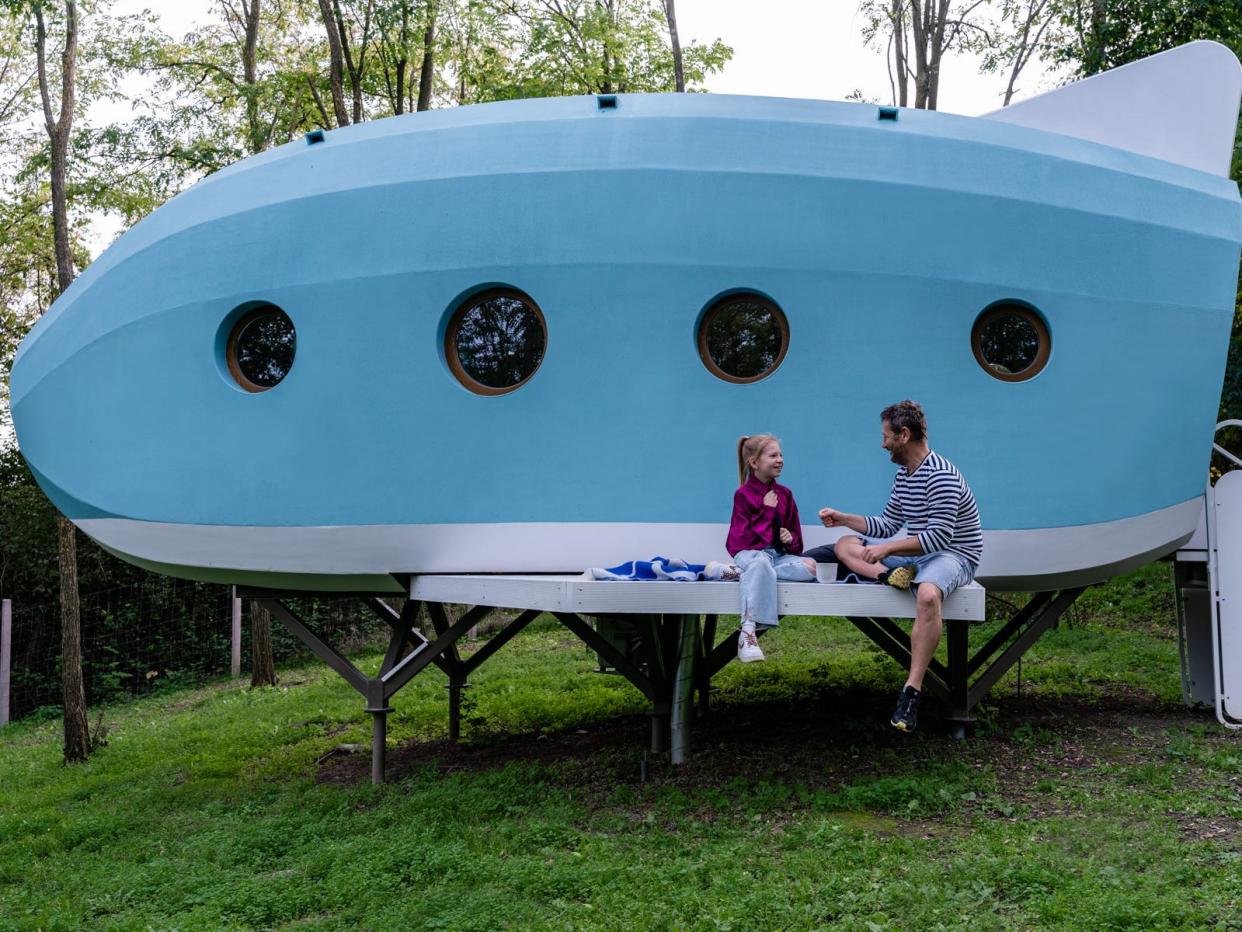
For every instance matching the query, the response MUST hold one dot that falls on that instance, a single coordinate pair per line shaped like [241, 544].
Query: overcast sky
[781, 48]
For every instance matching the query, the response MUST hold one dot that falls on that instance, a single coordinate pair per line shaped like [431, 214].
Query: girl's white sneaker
[717, 570]
[748, 647]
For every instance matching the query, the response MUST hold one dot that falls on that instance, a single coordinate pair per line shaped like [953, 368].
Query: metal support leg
[687, 641]
[379, 743]
[703, 664]
[648, 627]
[959, 677]
[455, 686]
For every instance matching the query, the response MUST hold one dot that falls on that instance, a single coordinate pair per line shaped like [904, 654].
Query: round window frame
[451, 357]
[230, 347]
[737, 297]
[1031, 316]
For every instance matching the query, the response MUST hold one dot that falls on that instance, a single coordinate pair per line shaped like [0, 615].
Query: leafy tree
[545, 48]
[1021, 34]
[27, 534]
[1099, 35]
[916, 35]
[247, 80]
[349, 27]
[406, 44]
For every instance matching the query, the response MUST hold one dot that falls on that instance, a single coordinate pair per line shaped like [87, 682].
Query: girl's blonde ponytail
[747, 449]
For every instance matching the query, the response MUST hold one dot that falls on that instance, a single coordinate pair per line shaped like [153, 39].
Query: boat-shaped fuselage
[880, 241]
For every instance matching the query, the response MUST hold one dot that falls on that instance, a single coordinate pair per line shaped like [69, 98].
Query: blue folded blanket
[655, 568]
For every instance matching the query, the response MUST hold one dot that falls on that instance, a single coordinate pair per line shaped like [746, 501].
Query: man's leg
[925, 635]
[938, 577]
[849, 552]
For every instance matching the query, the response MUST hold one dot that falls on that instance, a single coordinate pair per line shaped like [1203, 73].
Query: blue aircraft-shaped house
[525, 336]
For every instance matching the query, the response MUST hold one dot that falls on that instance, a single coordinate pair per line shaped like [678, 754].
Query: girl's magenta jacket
[755, 526]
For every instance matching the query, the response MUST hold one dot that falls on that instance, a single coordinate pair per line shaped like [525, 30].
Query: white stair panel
[1227, 523]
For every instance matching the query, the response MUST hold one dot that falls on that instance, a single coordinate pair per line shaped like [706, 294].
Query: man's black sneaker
[906, 718]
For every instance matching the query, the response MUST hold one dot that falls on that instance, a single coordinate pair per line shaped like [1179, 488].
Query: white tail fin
[1180, 105]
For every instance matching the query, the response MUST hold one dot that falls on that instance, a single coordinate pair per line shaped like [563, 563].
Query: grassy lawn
[1089, 798]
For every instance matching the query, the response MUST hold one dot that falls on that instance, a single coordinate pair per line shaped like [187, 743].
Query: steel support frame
[951, 682]
[409, 653]
[680, 658]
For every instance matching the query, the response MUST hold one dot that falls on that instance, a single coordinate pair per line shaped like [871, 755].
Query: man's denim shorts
[946, 571]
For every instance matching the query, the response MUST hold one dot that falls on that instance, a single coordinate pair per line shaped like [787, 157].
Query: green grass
[1088, 799]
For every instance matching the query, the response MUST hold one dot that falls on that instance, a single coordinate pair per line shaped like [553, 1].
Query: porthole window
[743, 338]
[261, 348]
[495, 341]
[1011, 342]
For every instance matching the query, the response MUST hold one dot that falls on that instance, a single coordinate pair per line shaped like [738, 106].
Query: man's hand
[786, 537]
[831, 517]
[770, 499]
[874, 553]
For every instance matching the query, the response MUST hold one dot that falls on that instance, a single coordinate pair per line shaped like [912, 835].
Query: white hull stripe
[1037, 558]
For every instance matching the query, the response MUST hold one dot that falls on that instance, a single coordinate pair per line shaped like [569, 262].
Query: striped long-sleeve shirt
[936, 505]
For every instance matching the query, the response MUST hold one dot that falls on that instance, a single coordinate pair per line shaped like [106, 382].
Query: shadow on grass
[829, 739]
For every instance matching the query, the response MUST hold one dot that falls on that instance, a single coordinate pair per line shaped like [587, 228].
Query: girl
[764, 537]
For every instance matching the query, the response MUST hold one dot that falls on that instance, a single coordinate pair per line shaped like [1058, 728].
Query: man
[934, 503]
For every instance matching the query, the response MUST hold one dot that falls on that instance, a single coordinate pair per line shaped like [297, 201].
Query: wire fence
[157, 633]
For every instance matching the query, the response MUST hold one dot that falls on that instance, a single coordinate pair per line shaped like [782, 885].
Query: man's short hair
[907, 414]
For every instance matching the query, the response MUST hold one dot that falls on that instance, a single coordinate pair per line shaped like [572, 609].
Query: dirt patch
[1027, 751]
[834, 738]
[1221, 829]
[490, 753]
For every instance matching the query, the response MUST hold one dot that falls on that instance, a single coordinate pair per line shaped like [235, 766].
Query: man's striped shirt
[936, 505]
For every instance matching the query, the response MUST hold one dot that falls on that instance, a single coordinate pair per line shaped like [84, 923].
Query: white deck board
[596, 597]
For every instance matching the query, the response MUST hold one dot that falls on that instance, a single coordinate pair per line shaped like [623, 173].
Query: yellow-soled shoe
[901, 577]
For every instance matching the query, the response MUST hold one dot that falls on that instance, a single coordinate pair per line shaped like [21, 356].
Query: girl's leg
[794, 569]
[757, 588]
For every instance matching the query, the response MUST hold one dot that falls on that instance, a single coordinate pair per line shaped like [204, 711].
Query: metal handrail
[1228, 422]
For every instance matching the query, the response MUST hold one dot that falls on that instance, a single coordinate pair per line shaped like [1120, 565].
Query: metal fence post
[6, 657]
[235, 661]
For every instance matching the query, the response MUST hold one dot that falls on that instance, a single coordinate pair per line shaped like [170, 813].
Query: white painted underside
[1039, 558]
[1180, 106]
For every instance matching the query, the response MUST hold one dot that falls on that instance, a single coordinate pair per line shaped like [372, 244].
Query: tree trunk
[356, 69]
[1039, 15]
[254, 131]
[901, 65]
[335, 63]
[77, 727]
[398, 98]
[935, 51]
[427, 72]
[918, 39]
[606, 40]
[679, 75]
[262, 668]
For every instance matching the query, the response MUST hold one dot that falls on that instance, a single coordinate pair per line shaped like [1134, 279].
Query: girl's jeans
[760, 571]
